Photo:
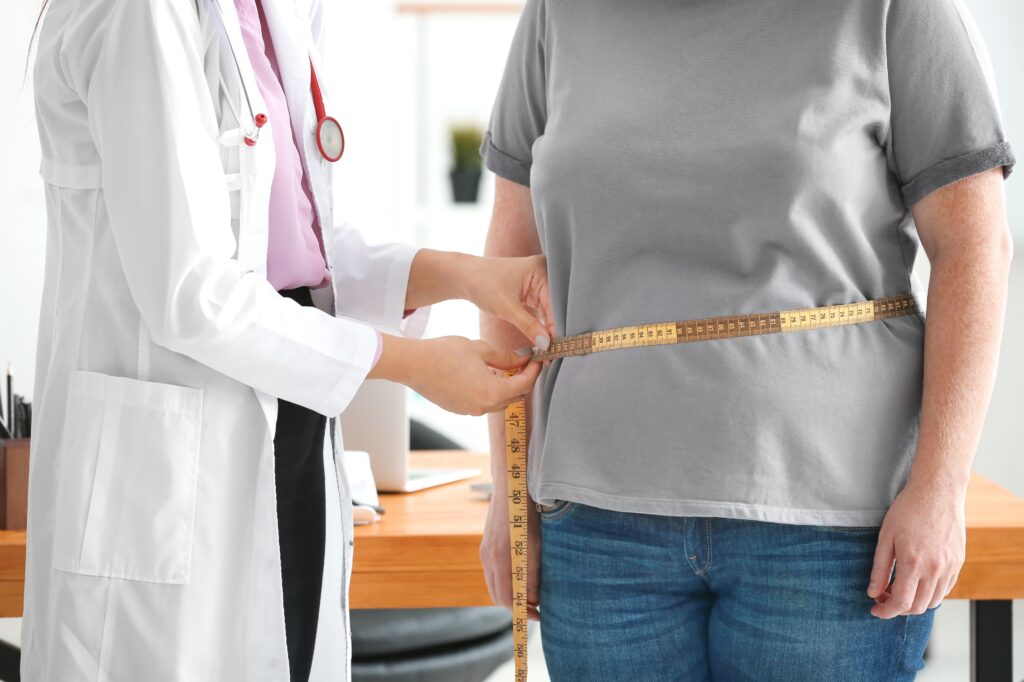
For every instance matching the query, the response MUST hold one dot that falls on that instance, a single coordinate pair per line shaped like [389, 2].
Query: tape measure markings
[515, 452]
[712, 328]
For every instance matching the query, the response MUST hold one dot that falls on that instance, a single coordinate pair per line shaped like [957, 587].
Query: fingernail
[523, 352]
[542, 342]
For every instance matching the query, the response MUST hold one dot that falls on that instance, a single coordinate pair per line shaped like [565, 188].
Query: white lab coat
[152, 533]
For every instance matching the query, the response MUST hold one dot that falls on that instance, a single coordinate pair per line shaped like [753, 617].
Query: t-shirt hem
[951, 170]
[500, 163]
[549, 492]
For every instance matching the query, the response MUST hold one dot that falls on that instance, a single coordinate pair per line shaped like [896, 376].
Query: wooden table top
[425, 550]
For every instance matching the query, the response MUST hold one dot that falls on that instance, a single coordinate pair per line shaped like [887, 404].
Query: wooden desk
[425, 553]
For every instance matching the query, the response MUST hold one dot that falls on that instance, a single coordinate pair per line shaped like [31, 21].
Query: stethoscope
[330, 138]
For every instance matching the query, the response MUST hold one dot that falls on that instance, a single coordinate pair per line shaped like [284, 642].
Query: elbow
[1000, 249]
[1006, 246]
[193, 313]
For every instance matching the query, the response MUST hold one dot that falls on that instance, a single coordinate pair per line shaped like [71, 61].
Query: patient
[734, 508]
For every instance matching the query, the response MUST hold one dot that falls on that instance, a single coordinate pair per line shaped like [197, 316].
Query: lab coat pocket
[128, 468]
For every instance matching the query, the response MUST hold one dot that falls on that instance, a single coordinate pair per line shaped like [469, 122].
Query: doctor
[203, 322]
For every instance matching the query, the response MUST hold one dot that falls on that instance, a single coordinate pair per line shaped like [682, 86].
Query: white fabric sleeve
[370, 282]
[163, 186]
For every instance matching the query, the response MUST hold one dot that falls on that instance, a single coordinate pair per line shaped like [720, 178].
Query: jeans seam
[707, 565]
[707, 527]
[903, 646]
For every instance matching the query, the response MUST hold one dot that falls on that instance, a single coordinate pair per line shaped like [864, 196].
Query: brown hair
[32, 39]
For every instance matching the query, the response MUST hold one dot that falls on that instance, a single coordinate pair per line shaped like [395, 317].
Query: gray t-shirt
[695, 158]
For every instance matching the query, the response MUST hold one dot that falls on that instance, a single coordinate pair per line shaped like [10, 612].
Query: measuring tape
[638, 336]
[515, 453]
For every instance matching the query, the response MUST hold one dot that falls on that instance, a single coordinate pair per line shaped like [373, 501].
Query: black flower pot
[465, 184]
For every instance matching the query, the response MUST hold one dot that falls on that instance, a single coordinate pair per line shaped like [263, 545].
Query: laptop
[377, 421]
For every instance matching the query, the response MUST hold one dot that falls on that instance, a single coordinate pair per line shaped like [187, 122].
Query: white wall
[22, 218]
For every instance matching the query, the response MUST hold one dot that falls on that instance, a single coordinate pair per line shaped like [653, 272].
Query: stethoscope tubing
[330, 136]
[252, 135]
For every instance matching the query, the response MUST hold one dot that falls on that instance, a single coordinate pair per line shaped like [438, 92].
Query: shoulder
[100, 16]
[147, 29]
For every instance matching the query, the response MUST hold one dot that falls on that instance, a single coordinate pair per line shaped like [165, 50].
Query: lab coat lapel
[256, 171]
[293, 46]
[256, 164]
[290, 48]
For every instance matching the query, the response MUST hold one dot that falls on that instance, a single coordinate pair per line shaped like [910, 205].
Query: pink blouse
[295, 253]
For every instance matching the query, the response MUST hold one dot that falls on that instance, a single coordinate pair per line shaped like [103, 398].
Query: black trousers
[301, 519]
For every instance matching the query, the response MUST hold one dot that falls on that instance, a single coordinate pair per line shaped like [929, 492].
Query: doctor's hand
[460, 375]
[924, 532]
[513, 289]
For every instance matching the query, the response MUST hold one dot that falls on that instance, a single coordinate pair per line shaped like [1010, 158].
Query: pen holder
[14, 483]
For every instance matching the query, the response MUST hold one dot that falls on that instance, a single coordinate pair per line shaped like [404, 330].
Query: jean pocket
[550, 512]
[128, 469]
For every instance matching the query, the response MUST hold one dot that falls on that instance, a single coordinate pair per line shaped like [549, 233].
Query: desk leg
[991, 640]
[10, 662]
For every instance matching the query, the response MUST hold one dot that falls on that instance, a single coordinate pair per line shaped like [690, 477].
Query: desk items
[366, 505]
[15, 413]
[483, 489]
[377, 421]
[14, 483]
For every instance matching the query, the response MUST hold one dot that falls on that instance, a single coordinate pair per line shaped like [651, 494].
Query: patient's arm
[513, 232]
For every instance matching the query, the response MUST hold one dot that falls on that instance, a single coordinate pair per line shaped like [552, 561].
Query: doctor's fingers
[538, 301]
[501, 359]
[511, 388]
[528, 324]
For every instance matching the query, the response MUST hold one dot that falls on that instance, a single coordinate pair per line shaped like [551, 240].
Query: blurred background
[404, 78]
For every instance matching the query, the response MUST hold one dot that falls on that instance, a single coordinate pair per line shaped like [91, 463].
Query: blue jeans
[642, 598]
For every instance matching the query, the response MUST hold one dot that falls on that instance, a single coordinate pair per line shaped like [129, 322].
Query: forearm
[966, 305]
[398, 357]
[439, 276]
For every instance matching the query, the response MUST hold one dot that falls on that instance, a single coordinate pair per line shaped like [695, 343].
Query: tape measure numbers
[638, 336]
[515, 453]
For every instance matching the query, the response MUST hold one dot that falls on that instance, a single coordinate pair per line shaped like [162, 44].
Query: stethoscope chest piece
[330, 138]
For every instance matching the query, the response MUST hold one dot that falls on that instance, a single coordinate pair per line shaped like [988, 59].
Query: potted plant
[465, 175]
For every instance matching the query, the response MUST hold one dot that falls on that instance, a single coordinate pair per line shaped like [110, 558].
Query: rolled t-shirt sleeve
[520, 109]
[945, 122]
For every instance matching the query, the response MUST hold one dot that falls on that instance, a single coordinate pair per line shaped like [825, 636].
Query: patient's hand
[495, 554]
